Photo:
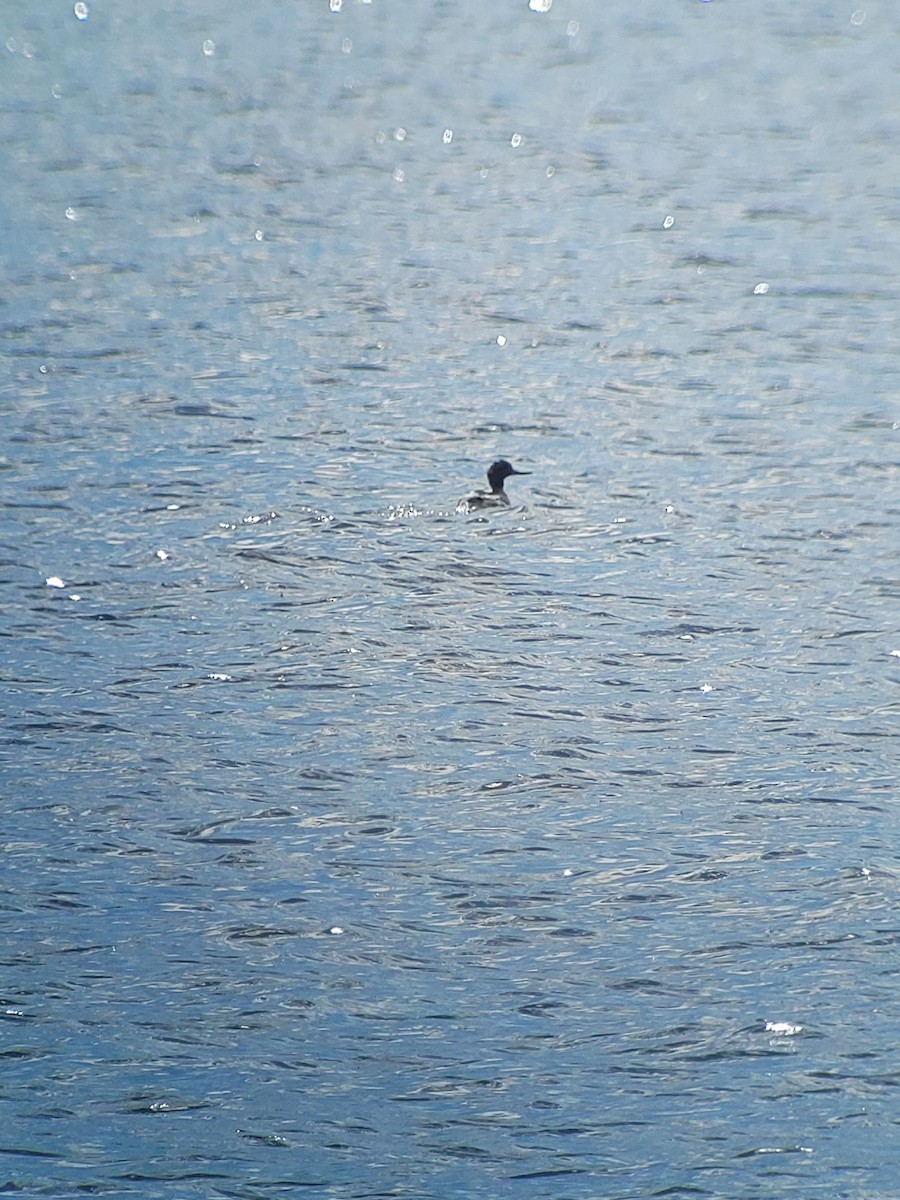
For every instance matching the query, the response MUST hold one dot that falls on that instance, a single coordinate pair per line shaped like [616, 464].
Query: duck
[496, 498]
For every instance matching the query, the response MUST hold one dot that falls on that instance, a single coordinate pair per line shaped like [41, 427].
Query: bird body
[498, 472]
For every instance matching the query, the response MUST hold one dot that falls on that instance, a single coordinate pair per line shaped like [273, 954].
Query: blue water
[357, 847]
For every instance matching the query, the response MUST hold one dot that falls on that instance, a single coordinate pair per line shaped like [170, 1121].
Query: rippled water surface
[358, 847]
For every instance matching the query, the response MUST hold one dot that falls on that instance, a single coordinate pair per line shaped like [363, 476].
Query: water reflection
[359, 845]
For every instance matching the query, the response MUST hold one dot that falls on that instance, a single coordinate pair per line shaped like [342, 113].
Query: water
[354, 847]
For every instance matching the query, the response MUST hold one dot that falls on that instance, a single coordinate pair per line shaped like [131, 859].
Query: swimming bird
[496, 497]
